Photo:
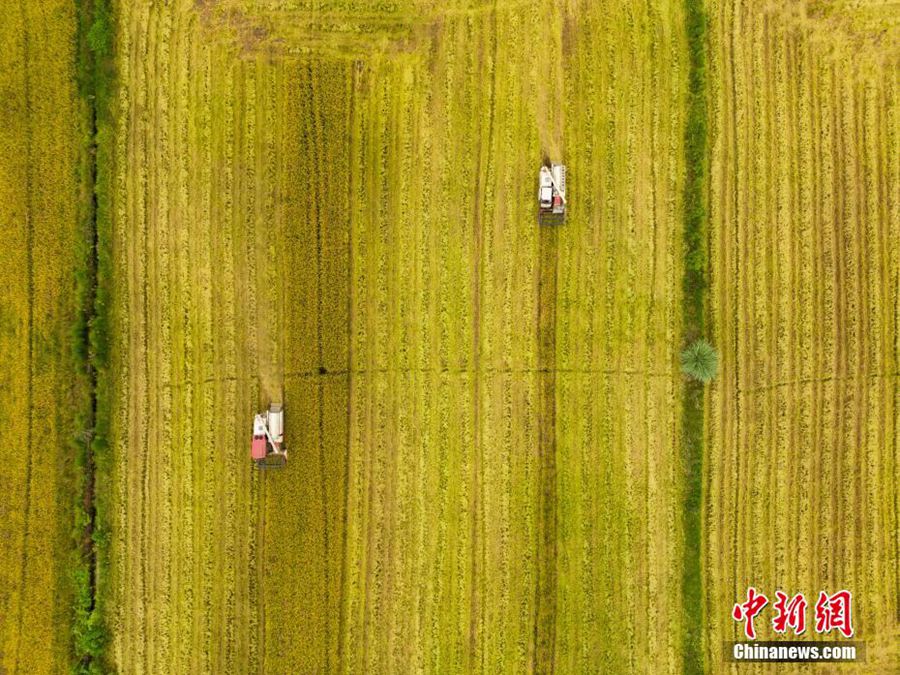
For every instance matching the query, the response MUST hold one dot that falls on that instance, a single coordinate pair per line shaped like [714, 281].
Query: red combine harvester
[552, 194]
[266, 449]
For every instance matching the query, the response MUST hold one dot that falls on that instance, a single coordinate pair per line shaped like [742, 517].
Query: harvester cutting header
[266, 448]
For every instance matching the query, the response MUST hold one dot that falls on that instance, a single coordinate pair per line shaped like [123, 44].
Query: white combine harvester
[552, 194]
[266, 449]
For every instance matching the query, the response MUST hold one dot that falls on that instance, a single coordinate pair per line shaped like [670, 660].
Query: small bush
[700, 361]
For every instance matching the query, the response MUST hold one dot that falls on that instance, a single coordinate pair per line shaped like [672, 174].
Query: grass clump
[700, 361]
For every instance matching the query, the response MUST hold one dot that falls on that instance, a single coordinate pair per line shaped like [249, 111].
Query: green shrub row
[95, 70]
[694, 286]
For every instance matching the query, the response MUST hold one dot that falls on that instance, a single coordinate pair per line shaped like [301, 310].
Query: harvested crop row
[805, 264]
[42, 128]
[304, 505]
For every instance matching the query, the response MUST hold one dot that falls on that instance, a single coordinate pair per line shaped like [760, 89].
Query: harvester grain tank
[552, 193]
[267, 445]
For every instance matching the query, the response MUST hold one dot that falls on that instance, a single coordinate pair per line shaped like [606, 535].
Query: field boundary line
[310, 374]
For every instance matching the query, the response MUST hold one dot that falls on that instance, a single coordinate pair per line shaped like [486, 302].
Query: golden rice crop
[342, 214]
[40, 144]
[805, 266]
[335, 208]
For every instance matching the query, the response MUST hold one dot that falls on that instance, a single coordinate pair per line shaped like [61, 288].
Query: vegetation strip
[95, 69]
[694, 286]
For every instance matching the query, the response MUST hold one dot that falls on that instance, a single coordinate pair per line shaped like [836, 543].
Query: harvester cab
[552, 194]
[266, 448]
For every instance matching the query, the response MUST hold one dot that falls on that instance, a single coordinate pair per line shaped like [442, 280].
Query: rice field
[802, 469]
[336, 209]
[331, 204]
[40, 225]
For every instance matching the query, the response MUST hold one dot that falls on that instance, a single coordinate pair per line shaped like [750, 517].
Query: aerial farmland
[301, 372]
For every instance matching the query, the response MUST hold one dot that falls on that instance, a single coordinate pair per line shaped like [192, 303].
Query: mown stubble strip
[730, 54]
[149, 560]
[835, 558]
[203, 314]
[724, 532]
[891, 172]
[819, 350]
[861, 220]
[133, 607]
[769, 268]
[367, 432]
[176, 177]
[477, 535]
[795, 306]
[159, 335]
[222, 472]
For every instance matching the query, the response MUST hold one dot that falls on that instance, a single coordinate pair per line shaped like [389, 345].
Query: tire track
[208, 638]
[319, 198]
[245, 249]
[546, 601]
[546, 545]
[249, 540]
